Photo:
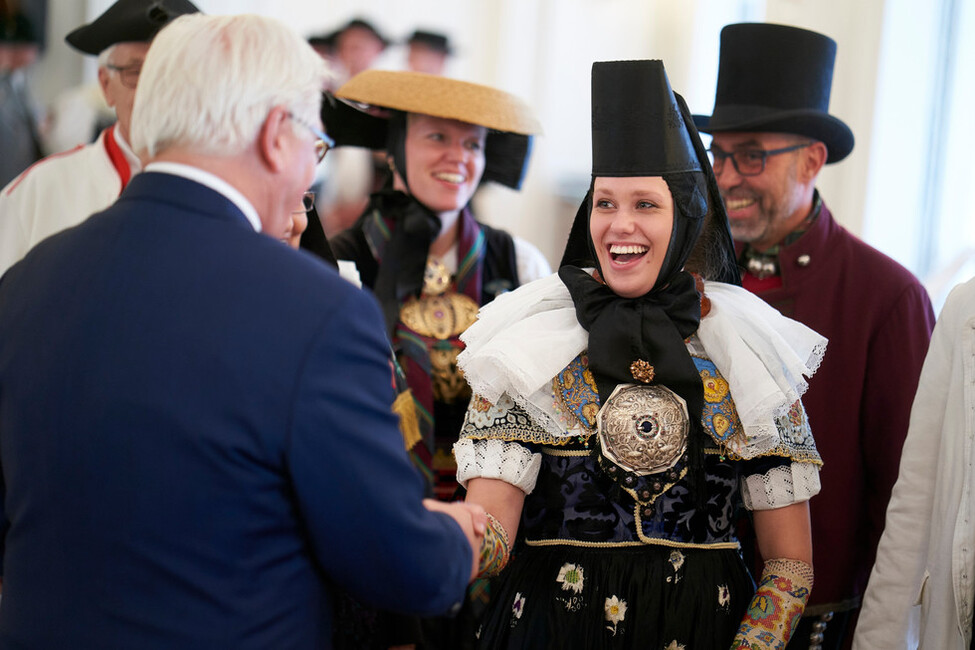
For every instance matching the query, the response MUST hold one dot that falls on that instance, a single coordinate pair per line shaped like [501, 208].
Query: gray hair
[209, 82]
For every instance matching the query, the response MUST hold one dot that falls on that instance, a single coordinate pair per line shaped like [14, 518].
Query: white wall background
[884, 87]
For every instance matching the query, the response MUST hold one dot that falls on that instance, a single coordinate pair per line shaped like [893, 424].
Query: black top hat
[433, 40]
[360, 23]
[637, 129]
[777, 78]
[128, 21]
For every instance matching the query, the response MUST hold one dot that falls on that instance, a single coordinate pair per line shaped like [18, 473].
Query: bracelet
[777, 605]
[494, 549]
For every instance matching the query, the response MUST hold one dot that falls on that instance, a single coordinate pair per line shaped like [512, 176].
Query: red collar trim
[117, 157]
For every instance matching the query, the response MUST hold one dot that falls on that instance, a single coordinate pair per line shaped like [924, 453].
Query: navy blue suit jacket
[196, 440]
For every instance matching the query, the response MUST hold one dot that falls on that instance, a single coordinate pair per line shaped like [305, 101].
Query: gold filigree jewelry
[447, 380]
[643, 429]
[642, 371]
[440, 317]
[436, 277]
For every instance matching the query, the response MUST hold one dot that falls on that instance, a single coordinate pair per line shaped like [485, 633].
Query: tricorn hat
[127, 21]
[777, 78]
[509, 121]
[433, 40]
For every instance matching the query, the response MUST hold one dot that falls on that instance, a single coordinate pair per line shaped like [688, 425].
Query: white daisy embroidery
[518, 607]
[615, 612]
[676, 560]
[724, 596]
[571, 578]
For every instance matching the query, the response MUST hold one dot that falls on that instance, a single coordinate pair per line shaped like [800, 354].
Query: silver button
[803, 260]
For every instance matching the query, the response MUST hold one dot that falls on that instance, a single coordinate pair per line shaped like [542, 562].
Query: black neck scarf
[404, 259]
[650, 328]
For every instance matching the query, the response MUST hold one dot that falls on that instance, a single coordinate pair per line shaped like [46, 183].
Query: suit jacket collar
[184, 194]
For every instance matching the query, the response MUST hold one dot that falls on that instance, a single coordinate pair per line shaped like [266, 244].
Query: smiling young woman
[611, 486]
[420, 249]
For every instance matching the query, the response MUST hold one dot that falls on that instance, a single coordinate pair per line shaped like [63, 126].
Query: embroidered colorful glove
[494, 549]
[778, 604]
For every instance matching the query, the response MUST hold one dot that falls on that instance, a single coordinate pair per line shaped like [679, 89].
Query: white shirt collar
[212, 181]
[135, 165]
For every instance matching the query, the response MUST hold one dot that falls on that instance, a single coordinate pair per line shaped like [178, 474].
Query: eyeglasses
[129, 75]
[322, 144]
[747, 162]
[307, 203]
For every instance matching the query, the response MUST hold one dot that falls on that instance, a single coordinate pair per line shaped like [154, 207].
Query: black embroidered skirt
[648, 597]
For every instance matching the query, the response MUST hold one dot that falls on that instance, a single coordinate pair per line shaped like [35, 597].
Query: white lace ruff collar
[523, 339]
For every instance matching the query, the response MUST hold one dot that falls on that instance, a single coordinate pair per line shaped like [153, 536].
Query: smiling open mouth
[628, 253]
[738, 204]
[450, 177]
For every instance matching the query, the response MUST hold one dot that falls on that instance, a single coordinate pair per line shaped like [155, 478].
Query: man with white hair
[64, 188]
[197, 448]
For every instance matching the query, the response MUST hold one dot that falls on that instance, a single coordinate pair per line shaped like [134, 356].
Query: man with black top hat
[65, 188]
[427, 51]
[772, 135]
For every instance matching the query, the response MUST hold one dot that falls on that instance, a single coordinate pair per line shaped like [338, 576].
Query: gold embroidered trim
[566, 453]
[409, 425]
[518, 435]
[651, 542]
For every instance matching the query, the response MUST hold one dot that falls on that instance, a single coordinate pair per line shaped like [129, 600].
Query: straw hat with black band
[135, 21]
[509, 121]
[777, 79]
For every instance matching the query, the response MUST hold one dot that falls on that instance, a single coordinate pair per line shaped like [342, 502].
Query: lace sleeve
[510, 462]
[780, 486]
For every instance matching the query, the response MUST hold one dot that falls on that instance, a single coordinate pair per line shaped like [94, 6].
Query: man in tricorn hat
[65, 188]
[772, 136]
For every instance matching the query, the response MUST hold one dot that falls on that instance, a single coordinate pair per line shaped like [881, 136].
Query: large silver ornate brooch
[643, 429]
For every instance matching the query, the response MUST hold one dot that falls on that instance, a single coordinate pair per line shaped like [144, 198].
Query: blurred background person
[353, 173]
[20, 134]
[427, 51]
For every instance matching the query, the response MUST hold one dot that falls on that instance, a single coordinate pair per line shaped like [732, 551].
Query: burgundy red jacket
[878, 319]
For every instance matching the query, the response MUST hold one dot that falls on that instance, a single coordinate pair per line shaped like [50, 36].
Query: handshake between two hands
[471, 518]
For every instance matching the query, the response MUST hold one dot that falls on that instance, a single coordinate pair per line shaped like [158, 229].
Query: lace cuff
[781, 486]
[508, 461]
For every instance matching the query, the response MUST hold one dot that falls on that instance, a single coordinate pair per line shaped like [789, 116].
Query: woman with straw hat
[417, 245]
[624, 408]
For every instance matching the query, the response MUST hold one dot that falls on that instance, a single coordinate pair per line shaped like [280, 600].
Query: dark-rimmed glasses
[307, 203]
[747, 162]
[128, 75]
[322, 144]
